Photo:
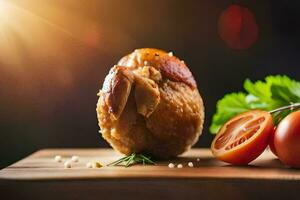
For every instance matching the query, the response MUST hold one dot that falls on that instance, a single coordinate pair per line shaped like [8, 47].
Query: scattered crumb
[75, 159]
[190, 164]
[171, 165]
[179, 166]
[198, 159]
[89, 165]
[67, 164]
[170, 53]
[58, 158]
[97, 164]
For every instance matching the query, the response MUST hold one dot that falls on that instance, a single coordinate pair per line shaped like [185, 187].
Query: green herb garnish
[133, 159]
[272, 93]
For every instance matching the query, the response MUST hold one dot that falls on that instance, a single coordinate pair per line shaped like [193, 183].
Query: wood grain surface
[39, 174]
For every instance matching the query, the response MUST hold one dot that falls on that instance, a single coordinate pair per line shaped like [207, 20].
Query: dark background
[57, 53]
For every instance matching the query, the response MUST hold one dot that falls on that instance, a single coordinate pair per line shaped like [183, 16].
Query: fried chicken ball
[149, 103]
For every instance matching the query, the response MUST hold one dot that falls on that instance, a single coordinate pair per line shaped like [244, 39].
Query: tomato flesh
[287, 140]
[243, 138]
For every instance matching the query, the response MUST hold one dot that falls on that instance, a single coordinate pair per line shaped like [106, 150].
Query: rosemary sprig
[132, 159]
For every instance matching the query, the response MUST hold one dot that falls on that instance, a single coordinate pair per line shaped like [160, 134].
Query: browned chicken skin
[150, 104]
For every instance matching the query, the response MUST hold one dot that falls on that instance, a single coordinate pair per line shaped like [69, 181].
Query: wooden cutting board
[39, 176]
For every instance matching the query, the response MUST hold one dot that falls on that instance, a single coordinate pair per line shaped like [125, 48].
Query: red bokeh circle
[237, 27]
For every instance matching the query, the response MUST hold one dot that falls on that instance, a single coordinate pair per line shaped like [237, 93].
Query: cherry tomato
[243, 138]
[271, 144]
[287, 140]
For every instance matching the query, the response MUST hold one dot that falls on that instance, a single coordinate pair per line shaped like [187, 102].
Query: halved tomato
[243, 138]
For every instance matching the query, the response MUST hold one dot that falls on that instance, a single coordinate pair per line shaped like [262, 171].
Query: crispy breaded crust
[150, 103]
[169, 65]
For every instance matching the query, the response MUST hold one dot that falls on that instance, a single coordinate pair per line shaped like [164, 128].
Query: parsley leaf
[273, 92]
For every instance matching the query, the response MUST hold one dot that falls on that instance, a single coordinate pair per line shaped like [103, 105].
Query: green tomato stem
[293, 106]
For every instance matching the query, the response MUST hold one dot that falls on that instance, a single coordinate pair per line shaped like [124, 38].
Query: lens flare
[7, 24]
[44, 47]
[5, 13]
[27, 36]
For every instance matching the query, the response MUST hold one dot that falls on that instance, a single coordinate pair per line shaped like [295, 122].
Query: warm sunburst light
[45, 46]
[7, 29]
[24, 33]
[5, 12]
